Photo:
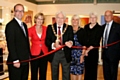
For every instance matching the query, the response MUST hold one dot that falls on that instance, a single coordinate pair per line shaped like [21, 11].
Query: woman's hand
[88, 49]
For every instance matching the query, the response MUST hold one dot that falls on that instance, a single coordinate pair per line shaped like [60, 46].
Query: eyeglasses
[19, 11]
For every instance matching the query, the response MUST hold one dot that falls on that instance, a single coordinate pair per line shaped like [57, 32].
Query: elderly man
[111, 54]
[60, 34]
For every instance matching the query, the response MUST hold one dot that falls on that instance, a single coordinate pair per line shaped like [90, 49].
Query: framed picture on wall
[27, 18]
[84, 21]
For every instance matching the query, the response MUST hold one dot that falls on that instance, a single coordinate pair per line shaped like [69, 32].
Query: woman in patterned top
[77, 63]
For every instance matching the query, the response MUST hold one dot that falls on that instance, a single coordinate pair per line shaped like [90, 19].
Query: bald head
[109, 11]
[108, 16]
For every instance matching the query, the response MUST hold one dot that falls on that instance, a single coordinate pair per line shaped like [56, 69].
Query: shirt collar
[60, 26]
[19, 21]
[110, 23]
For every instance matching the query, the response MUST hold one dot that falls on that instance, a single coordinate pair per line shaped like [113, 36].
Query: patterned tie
[22, 26]
[59, 33]
[106, 35]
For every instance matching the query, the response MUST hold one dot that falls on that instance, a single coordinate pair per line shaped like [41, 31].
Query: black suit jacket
[113, 51]
[17, 42]
[50, 38]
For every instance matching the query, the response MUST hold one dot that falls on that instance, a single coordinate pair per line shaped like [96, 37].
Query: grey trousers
[58, 58]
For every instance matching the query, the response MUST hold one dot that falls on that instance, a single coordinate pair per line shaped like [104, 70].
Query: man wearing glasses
[18, 45]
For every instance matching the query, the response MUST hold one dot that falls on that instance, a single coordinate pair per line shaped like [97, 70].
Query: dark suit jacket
[50, 38]
[113, 51]
[17, 42]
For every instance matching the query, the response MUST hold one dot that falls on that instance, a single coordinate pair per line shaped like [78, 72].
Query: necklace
[58, 36]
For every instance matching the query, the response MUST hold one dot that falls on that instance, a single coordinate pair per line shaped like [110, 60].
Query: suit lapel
[64, 25]
[20, 27]
[16, 22]
[64, 35]
[43, 31]
[55, 27]
[34, 29]
[111, 31]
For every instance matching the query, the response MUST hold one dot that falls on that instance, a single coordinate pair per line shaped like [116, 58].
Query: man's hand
[69, 44]
[56, 44]
[17, 65]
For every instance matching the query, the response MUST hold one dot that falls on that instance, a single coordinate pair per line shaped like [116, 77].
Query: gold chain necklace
[58, 36]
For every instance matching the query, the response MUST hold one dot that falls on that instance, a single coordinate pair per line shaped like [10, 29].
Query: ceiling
[71, 1]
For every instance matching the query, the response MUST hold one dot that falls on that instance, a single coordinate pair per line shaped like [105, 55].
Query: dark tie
[59, 34]
[22, 26]
[106, 35]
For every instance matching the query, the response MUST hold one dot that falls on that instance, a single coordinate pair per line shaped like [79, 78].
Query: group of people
[24, 44]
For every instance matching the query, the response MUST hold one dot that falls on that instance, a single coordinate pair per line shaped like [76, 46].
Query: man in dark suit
[111, 54]
[60, 34]
[18, 45]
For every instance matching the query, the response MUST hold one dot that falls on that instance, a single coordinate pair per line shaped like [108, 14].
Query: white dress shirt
[108, 31]
[19, 21]
[39, 35]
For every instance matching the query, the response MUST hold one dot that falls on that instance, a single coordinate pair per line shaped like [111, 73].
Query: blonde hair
[37, 15]
[75, 16]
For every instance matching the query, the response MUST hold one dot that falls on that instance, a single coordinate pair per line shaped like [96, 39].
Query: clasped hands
[85, 53]
[67, 43]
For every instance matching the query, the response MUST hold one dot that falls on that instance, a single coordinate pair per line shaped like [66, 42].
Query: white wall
[7, 6]
[11, 3]
[80, 9]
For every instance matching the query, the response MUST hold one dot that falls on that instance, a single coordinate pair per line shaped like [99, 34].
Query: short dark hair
[18, 5]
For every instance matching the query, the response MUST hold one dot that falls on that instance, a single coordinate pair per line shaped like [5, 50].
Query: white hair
[60, 12]
[93, 14]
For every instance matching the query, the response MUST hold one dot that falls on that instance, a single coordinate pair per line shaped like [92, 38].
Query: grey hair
[60, 12]
[93, 13]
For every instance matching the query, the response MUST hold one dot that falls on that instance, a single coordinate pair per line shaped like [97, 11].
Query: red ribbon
[78, 47]
[40, 56]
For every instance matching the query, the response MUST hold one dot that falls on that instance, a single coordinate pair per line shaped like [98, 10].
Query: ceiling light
[53, 1]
